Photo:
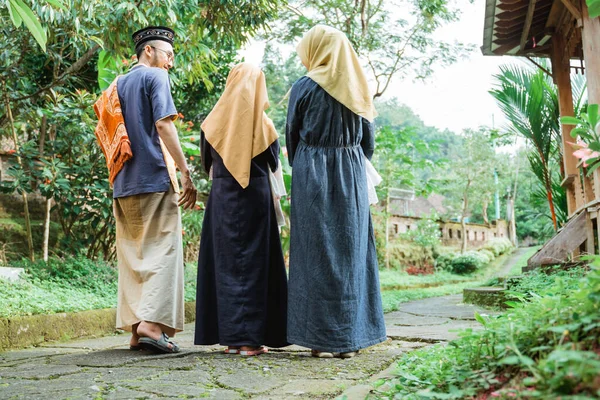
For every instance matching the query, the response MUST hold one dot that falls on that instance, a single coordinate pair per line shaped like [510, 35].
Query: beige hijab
[237, 127]
[333, 64]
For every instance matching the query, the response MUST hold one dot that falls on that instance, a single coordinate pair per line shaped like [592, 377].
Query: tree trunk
[484, 211]
[20, 162]
[46, 240]
[513, 221]
[387, 230]
[550, 199]
[47, 228]
[463, 224]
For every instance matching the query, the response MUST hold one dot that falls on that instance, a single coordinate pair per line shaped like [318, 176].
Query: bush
[545, 347]
[498, 246]
[407, 253]
[426, 269]
[490, 255]
[444, 261]
[68, 285]
[191, 221]
[71, 272]
[467, 263]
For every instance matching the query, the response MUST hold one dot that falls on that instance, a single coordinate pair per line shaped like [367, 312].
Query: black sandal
[160, 346]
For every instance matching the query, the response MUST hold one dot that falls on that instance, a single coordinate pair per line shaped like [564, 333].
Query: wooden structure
[563, 31]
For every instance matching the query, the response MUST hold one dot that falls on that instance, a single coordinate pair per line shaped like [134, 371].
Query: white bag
[373, 179]
[278, 191]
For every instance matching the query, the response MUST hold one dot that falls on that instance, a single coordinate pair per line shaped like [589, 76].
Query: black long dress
[241, 296]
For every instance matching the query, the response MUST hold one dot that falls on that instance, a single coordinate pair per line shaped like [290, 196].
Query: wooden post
[561, 73]
[591, 53]
[590, 241]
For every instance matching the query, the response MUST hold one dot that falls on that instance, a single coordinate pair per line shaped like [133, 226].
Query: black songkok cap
[153, 33]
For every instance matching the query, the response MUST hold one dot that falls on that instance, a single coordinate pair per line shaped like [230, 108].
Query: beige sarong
[150, 260]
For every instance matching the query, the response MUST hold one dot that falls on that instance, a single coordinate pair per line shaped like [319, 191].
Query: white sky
[454, 97]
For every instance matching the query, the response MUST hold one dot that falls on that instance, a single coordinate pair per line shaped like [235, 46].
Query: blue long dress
[241, 295]
[334, 300]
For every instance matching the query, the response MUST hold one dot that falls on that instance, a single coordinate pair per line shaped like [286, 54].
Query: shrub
[406, 253]
[71, 272]
[545, 347]
[444, 261]
[498, 246]
[467, 263]
[191, 221]
[490, 255]
[426, 269]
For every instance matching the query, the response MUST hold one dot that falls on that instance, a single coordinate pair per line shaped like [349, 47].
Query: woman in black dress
[241, 298]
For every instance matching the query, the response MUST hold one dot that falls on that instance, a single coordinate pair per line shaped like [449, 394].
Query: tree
[394, 38]
[396, 160]
[470, 175]
[20, 14]
[529, 100]
[48, 95]
[280, 75]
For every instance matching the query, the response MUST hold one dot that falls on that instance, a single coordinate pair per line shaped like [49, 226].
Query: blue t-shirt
[145, 96]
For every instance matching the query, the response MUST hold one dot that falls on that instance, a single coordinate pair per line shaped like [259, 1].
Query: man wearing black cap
[147, 199]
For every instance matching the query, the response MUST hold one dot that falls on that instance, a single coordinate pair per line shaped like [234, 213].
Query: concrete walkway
[104, 368]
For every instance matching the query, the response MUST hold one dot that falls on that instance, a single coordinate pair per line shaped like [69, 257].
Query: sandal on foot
[160, 346]
[348, 354]
[232, 350]
[134, 347]
[321, 354]
[255, 352]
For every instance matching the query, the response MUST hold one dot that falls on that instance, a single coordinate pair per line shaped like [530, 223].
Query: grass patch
[68, 285]
[545, 347]
[522, 261]
[399, 287]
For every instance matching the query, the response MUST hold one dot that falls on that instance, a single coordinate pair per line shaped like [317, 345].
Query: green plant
[544, 347]
[528, 99]
[444, 261]
[467, 263]
[498, 246]
[192, 231]
[489, 254]
[587, 133]
[77, 272]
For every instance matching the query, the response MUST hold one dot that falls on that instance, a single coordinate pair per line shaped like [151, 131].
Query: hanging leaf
[57, 4]
[31, 22]
[107, 67]
[593, 8]
[14, 15]
[570, 120]
[593, 114]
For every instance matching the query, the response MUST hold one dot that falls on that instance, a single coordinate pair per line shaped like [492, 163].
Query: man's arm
[168, 133]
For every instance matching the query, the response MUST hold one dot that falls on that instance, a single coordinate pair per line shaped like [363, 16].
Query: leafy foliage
[51, 93]
[68, 285]
[529, 100]
[544, 347]
[393, 38]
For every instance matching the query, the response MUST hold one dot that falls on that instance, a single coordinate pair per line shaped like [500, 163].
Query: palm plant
[529, 100]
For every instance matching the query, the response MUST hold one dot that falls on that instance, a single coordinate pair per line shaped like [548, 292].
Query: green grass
[522, 261]
[68, 285]
[399, 287]
[392, 279]
[545, 347]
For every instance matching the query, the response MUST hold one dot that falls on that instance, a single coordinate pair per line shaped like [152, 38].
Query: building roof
[419, 207]
[525, 27]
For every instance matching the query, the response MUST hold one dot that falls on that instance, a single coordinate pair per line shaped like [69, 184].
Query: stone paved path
[104, 368]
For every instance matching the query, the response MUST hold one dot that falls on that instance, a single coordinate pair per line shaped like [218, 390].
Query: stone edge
[32, 330]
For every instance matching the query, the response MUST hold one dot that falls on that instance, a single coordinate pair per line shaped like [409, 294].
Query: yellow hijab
[333, 64]
[237, 127]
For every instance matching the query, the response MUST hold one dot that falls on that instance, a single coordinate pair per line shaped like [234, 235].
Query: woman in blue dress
[334, 300]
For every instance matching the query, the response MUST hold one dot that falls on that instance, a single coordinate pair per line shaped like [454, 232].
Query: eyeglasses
[170, 56]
